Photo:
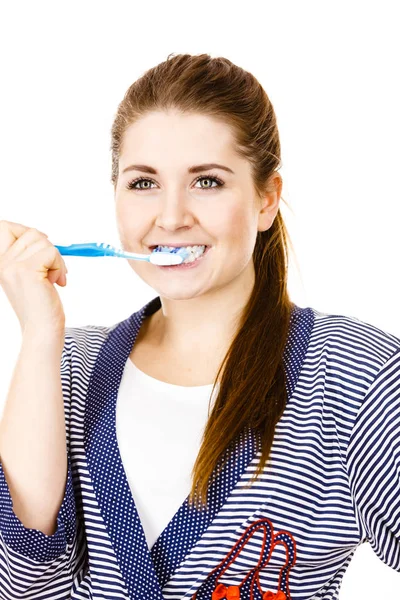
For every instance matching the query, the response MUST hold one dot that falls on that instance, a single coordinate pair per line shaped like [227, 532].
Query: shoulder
[82, 344]
[345, 355]
[350, 338]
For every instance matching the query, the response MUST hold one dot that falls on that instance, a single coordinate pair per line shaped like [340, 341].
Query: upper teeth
[194, 251]
[191, 248]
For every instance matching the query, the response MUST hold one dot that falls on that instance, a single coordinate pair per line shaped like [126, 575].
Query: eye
[213, 178]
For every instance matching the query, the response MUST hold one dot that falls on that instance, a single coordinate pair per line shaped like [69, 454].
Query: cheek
[240, 233]
[239, 226]
[130, 227]
[121, 216]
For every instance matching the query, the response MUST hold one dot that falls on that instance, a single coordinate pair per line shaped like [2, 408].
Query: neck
[203, 324]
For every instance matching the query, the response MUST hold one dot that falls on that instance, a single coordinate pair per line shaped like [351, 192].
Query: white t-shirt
[159, 432]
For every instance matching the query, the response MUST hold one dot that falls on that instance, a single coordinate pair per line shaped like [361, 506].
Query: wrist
[44, 337]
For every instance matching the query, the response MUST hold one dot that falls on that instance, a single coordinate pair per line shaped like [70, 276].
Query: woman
[287, 418]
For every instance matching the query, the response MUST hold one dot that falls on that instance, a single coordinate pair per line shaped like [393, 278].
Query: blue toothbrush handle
[99, 249]
[88, 249]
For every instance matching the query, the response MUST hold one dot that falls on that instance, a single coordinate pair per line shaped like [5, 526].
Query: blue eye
[131, 185]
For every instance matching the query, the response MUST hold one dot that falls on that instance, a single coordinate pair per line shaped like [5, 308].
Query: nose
[175, 211]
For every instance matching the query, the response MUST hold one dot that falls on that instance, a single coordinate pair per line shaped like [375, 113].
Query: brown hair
[252, 390]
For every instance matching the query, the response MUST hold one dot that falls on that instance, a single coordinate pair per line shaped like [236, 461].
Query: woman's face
[171, 207]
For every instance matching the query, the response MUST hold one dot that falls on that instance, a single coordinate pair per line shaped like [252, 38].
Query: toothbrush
[101, 249]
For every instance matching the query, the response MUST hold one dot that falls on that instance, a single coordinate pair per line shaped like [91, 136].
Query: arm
[373, 462]
[32, 433]
[41, 547]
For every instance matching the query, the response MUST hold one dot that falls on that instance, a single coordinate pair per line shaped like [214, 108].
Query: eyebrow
[195, 169]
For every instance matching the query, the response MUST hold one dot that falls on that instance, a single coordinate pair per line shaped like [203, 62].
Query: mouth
[189, 262]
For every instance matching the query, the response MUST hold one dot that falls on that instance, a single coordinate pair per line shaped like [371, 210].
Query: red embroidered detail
[233, 593]
[271, 596]
[222, 591]
[287, 540]
[219, 592]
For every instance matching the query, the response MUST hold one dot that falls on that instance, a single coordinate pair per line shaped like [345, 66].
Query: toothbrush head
[163, 259]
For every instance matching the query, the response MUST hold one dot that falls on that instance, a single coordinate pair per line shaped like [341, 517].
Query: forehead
[160, 137]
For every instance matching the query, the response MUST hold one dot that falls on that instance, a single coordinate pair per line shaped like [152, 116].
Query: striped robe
[332, 482]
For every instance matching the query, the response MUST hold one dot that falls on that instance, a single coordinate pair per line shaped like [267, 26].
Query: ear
[269, 204]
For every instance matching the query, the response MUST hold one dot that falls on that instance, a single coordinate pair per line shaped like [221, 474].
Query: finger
[10, 232]
[22, 246]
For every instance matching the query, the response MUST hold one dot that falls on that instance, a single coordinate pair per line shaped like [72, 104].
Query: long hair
[252, 391]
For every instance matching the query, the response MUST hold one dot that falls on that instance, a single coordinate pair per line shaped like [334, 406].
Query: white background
[331, 71]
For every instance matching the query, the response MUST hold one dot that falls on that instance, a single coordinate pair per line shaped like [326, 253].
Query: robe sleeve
[33, 564]
[373, 463]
